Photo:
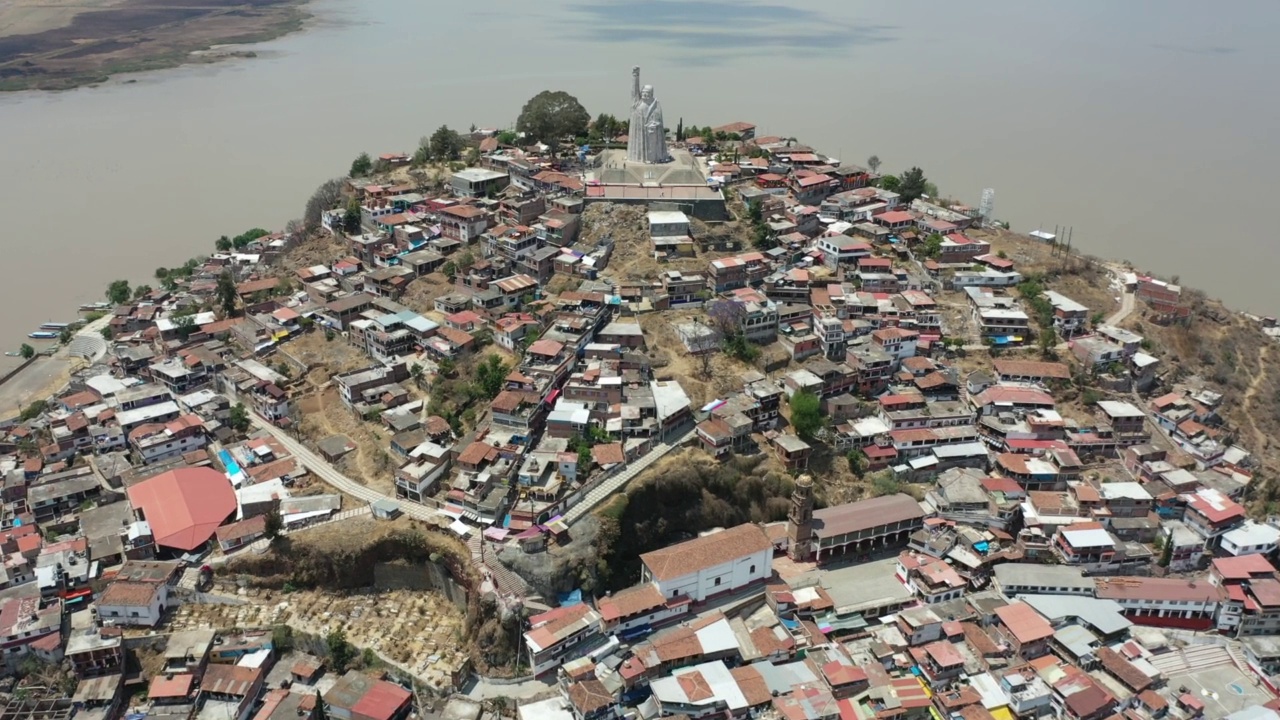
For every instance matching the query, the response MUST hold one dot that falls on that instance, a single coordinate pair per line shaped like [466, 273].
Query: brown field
[58, 44]
[1072, 275]
[324, 414]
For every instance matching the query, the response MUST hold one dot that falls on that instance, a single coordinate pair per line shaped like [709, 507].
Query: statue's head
[646, 93]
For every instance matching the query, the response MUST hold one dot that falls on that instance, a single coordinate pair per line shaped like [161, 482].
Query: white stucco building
[719, 562]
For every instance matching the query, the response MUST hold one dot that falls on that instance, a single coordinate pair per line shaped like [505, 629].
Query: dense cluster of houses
[1055, 543]
[205, 673]
[955, 618]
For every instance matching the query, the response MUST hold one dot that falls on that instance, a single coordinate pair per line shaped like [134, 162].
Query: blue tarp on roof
[570, 598]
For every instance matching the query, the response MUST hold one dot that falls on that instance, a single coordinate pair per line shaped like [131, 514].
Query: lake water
[1148, 127]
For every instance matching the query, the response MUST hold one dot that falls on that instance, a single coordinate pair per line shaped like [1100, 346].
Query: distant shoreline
[136, 37]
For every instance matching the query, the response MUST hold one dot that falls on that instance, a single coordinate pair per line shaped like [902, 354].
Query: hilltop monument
[647, 139]
[649, 172]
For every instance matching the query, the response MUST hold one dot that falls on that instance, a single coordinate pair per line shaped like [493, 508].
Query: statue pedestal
[682, 168]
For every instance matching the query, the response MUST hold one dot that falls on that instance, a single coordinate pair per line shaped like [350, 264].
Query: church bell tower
[800, 520]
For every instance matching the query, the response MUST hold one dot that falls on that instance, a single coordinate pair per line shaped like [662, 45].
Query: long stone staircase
[1193, 658]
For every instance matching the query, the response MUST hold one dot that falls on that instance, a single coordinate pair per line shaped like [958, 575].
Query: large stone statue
[647, 140]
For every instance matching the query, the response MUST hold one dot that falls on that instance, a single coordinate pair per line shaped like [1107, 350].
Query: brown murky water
[1149, 127]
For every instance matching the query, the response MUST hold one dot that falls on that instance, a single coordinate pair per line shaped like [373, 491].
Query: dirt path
[1254, 386]
[1127, 299]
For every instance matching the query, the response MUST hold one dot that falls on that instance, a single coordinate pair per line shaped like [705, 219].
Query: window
[752, 570]
[717, 581]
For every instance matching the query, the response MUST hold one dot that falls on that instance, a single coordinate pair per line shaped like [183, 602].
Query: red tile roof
[1024, 622]
[1215, 506]
[177, 686]
[383, 701]
[865, 514]
[895, 217]
[1031, 368]
[631, 601]
[185, 506]
[1243, 567]
[1161, 589]
[707, 551]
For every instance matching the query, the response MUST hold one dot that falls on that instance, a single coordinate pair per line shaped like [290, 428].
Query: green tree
[913, 185]
[321, 712]
[890, 183]
[33, 410]
[65, 336]
[447, 366]
[185, 326]
[227, 293]
[873, 163]
[450, 269]
[932, 245]
[762, 238]
[806, 414]
[242, 240]
[351, 218]
[238, 419]
[1048, 348]
[141, 291]
[341, 653]
[507, 137]
[161, 273]
[118, 292]
[281, 639]
[446, 144]
[417, 374]
[26, 351]
[361, 166]
[680, 130]
[1166, 551]
[491, 373]
[552, 115]
[884, 483]
[222, 244]
[107, 333]
[422, 155]
[857, 461]
[274, 529]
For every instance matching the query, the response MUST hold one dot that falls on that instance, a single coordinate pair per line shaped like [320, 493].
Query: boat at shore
[59, 327]
[44, 334]
[90, 307]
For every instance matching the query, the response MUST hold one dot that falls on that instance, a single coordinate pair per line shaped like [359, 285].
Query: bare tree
[873, 162]
[326, 197]
[706, 362]
[294, 231]
[726, 316]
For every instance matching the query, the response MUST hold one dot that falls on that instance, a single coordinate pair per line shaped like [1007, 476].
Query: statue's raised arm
[635, 84]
